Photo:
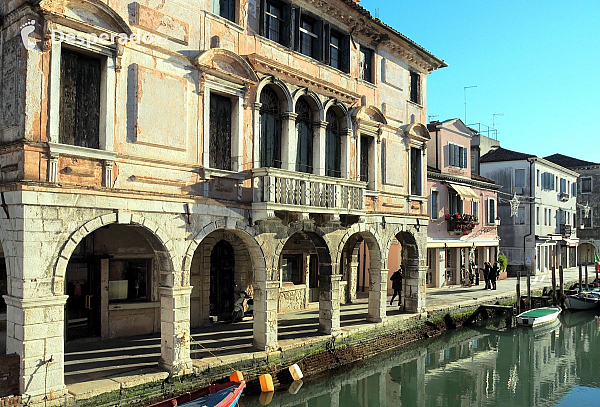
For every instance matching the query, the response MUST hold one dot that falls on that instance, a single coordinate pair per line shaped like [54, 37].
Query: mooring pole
[587, 282]
[518, 291]
[561, 278]
[529, 288]
[553, 285]
[580, 278]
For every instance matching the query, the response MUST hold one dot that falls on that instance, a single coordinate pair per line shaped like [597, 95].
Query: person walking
[495, 274]
[396, 280]
[486, 275]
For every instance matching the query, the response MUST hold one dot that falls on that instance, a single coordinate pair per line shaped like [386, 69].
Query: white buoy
[296, 372]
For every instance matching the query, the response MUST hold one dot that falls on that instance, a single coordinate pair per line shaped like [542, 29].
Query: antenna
[465, 88]
[494, 119]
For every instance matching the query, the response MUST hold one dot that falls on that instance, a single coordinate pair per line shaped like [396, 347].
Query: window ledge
[215, 172]
[57, 149]
[366, 83]
[226, 22]
[410, 102]
[133, 305]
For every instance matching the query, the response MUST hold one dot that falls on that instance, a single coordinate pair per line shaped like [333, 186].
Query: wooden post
[553, 285]
[580, 278]
[518, 292]
[587, 283]
[529, 288]
[561, 280]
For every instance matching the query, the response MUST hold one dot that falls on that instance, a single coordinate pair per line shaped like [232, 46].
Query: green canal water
[486, 365]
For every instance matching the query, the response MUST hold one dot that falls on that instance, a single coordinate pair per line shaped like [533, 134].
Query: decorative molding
[57, 149]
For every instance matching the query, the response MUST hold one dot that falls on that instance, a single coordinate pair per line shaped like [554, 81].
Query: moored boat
[538, 316]
[583, 300]
[215, 395]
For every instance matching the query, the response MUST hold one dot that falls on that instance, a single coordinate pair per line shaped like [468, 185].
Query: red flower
[447, 216]
[457, 216]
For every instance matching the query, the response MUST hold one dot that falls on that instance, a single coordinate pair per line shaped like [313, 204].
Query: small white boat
[538, 316]
[583, 300]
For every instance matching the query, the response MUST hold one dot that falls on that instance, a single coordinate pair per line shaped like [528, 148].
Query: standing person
[496, 273]
[396, 279]
[486, 275]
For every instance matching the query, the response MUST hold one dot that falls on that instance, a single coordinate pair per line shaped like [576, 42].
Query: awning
[465, 192]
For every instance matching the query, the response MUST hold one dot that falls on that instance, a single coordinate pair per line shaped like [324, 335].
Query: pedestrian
[495, 273]
[486, 275]
[396, 280]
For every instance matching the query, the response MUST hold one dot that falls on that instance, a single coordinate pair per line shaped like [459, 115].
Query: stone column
[329, 303]
[175, 329]
[319, 136]
[353, 280]
[35, 331]
[377, 294]
[257, 136]
[266, 297]
[289, 142]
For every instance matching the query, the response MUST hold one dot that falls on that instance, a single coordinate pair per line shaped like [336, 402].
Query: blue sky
[538, 62]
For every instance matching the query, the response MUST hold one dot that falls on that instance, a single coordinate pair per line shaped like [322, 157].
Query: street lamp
[494, 118]
[465, 89]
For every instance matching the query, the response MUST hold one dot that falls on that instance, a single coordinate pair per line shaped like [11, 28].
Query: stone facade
[141, 195]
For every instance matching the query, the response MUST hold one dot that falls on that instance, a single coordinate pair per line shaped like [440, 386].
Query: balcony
[563, 197]
[566, 230]
[281, 190]
[460, 223]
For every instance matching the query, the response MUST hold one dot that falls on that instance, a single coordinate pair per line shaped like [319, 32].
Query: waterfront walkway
[130, 361]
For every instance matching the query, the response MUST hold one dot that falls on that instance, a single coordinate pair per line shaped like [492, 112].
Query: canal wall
[315, 355]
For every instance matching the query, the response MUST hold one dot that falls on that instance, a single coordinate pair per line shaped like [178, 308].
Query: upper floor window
[220, 132]
[79, 100]
[520, 218]
[273, 21]
[366, 65]
[335, 43]
[304, 148]
[308, 37]
[415, 87]
[586, 221]
[416, 171]
[333, 145]
[475, 209]
[563, 185]
[586, 185]
[574, 189]
[491, 211]
[548, 181]
[435, 209]
[457, 156]
[520, 178]
[224, 8]
[270, 129]
[538, 177]
[455, 203]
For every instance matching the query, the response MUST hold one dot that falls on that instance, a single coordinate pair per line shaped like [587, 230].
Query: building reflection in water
[483, 366]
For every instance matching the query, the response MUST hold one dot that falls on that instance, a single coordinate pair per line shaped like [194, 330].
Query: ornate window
[304, 153]
[270, 129]
[220, 132]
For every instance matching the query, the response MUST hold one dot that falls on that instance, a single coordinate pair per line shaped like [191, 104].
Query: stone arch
[91, 12]
[155, 236]
[227, 64]
[585, 256]
[318, 239]
[369, 114]
[244, 232]
[280, 88]
[345, 113]
[314, 102]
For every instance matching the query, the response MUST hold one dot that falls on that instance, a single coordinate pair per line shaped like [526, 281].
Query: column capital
[289, 115]
[23, 303]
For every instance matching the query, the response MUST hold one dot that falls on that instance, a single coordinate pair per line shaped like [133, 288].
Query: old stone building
[157, 157]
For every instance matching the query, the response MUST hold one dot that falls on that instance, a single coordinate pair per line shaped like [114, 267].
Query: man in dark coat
[494, 275]
[396, 279]
[486, 275]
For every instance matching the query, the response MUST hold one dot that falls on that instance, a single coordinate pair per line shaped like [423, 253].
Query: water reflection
[483, 366]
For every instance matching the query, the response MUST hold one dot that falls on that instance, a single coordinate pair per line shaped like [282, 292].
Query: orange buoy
[236, 376]
[266, 383]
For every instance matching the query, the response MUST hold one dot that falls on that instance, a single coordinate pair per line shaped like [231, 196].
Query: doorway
[83, 304]
[222, 281]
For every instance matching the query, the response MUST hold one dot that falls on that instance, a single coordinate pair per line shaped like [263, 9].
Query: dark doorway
[83, 304]
[313, 277]
[222, 284]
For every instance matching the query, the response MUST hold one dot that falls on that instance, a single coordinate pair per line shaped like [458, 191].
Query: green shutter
[345, 53]
[262, 29]
[326, 43]
[287, 32]
[296, 14]
[319, 44]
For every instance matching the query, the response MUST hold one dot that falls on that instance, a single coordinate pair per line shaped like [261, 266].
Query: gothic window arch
[304, 130]
[270, 129]
[333, 145]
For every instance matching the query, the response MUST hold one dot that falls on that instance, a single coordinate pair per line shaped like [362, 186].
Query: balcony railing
[276, 189]
[460, 223]
[563, 196]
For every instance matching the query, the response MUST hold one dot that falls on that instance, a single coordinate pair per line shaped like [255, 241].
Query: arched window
[270, 129]
[304, 155]
[333, 146]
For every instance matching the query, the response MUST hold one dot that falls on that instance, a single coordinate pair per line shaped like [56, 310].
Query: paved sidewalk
[126, 362]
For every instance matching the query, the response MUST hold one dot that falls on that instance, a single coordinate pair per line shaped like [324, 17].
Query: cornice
[284, 72]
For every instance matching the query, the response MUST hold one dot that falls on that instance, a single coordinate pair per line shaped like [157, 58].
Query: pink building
[463, 226]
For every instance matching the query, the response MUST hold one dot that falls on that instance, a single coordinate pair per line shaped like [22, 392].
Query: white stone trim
[57, 148]
[23, 303]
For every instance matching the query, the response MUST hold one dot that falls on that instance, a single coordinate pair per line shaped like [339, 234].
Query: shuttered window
[270, 129]
[224, 8]
[333, 146]
[366, 65]
[79, 100]
[304, 151]
[220, 132]
[458, 156]
[434, 205]
[416, 171]
[364, 159]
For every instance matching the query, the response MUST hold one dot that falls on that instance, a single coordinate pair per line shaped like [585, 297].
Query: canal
[484, 365]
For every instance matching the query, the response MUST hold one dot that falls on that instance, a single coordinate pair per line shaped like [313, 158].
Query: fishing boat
[583, 300]
[215, 395]
[538, 316]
